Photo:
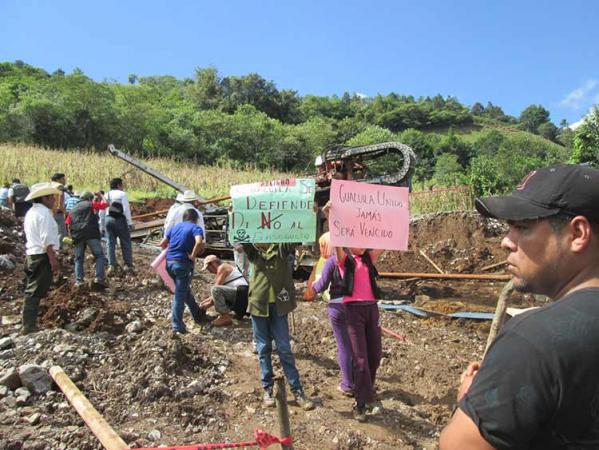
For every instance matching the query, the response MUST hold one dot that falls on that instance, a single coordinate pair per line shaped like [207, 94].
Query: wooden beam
[446, 276]
[94, 420]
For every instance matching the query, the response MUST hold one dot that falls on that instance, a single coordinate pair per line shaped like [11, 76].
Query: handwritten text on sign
[273, 211]
[369, 216]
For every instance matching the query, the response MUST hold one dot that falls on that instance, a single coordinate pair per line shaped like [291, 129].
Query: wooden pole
[431, 262]
[283, 412]
[499, 317]
[94, 420]
[493, 266]
[446, 276]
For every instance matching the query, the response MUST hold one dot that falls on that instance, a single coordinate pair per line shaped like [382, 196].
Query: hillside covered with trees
[241, 120]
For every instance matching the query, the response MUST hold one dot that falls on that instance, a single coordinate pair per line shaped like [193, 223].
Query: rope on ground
[262, 440]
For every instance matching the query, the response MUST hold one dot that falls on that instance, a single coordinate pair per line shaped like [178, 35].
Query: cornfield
[451, 199]
[93, 171]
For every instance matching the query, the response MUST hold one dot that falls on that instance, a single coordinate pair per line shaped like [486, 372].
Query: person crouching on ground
[85, 231]
[271, 299]
[41, 232]
[185, 241]
[229, 293]
[360, 291]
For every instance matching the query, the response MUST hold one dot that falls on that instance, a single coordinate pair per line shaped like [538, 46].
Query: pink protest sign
[369, 216]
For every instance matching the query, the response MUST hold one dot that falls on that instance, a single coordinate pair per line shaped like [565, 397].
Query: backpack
[20, 193]
[115, 210]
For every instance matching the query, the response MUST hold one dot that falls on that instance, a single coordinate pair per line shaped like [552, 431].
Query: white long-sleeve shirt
[119, 196]
[41, 230]
[175, 216]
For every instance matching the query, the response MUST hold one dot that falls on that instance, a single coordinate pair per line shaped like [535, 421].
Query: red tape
[263, 440]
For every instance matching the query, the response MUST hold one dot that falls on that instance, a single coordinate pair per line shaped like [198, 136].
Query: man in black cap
[538, 385]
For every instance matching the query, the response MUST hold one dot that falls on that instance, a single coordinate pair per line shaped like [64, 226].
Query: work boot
[99, 284]
[303, 402]
[268, 400]
[360, 413]
[223, 320]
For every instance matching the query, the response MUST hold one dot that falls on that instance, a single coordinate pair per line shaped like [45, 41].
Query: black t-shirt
[538, 387]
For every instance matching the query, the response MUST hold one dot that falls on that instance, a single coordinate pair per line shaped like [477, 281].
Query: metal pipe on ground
[446, 276]
[283, 411]
[94, 420]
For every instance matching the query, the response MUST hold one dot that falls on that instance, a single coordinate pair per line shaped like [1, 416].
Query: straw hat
[188, 196]
[41, 190]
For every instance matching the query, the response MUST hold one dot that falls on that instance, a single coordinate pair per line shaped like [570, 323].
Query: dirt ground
[204, 387]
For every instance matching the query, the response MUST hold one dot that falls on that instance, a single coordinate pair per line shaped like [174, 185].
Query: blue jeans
[265, 329]
[181, 272]
[96, 248]
[118, 228]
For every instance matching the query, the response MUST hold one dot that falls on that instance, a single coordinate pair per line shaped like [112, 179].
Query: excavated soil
[156, 389]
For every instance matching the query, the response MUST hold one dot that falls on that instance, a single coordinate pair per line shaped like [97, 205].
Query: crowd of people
[536, 387]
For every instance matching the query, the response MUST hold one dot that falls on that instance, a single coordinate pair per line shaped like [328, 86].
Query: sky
[511, 53]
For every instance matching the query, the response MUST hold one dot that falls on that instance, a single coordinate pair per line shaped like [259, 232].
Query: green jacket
[271, 269]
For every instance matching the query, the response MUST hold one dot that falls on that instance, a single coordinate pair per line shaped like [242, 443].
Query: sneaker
[346, 392]
[79, 284]
[268, 399]
[305, 403]
[129, 270]
[112, 270]
[223, 320]
[177, 332]
[360, 413]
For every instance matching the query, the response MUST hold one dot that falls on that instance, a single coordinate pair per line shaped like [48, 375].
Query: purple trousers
[339, 324]
[364, 331]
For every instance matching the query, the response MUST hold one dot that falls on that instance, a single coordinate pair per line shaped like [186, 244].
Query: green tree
[532, 117]
[448, 171]
[586, 140]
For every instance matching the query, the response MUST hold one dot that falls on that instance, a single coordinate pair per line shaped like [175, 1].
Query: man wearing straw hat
[183, 202]
[41, 232]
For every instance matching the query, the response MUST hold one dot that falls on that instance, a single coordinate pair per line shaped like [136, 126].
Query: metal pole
[94, 420]
[283, 412]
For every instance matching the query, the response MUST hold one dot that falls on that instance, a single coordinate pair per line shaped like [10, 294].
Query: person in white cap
[183, 202]
[41, 233]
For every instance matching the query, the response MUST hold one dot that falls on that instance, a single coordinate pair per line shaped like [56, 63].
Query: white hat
[41, 190]
[188, 196]
[209, 259]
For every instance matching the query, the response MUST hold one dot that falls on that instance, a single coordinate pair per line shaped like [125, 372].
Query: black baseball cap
[563, 188]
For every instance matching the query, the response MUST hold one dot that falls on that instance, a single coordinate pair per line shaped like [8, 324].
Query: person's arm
[164, 243]
[197, 248]
[374, 254]
[222, 273]
[326, 276]
[127, 209]
[11, 198]
[54, 264]
[340, 252]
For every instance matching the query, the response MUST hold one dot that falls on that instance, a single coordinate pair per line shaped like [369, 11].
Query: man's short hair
[115, 183]
[16, 180]
[191, 215]
[57, 176]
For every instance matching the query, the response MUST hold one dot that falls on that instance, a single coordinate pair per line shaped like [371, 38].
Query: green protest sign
[273, 211]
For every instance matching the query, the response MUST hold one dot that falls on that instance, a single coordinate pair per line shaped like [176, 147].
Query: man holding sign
[268, 219]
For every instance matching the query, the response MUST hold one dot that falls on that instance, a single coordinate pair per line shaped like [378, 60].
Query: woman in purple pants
[330, 277]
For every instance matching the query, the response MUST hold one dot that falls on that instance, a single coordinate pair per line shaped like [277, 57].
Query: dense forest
[241, 120]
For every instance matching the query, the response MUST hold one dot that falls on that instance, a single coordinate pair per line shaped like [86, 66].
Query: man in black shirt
[538, 386]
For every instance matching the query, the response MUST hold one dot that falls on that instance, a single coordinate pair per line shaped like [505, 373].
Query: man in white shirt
[118, 225]
[41, 232]
[183, 202]
[60, 208]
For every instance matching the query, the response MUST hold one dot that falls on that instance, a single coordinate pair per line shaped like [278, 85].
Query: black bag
[115, 210]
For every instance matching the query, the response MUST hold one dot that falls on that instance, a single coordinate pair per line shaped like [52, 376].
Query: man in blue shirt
[185, 241]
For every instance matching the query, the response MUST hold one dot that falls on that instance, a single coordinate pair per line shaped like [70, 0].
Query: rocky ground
[155, 389]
